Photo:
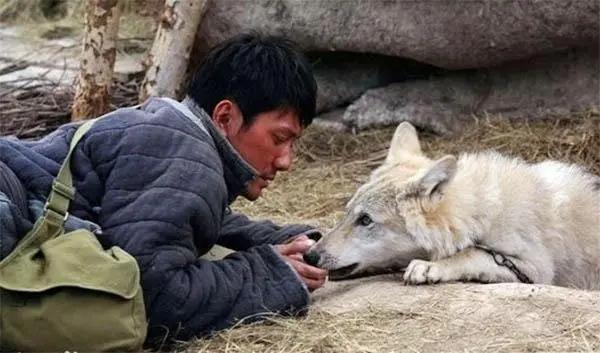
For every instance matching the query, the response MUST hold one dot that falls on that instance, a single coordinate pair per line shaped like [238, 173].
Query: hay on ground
[450, 317]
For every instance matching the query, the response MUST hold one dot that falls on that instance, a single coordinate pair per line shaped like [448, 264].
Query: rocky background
[437, 64]
[434, 63]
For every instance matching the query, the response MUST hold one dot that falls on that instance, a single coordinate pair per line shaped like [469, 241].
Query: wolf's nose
[311, 258]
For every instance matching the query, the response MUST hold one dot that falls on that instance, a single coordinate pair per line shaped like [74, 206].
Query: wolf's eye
[364, 220]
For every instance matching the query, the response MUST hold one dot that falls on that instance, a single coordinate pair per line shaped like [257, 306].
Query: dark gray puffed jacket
[159, 179]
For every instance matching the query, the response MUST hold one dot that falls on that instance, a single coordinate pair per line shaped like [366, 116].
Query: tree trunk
[168, 60]
[97, 59]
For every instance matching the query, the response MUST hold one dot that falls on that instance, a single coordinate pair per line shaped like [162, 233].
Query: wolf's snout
[312, 258]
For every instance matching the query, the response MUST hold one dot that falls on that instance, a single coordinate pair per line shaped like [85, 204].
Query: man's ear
[437, 178]
[405, 141]
[227, 117]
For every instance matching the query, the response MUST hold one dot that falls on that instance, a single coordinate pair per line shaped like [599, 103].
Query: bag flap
[74, 259]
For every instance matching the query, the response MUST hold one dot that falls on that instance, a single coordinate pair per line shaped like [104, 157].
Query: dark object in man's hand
[314, 235]
[311, 258]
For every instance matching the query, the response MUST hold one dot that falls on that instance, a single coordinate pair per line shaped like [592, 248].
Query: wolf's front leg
[470, 264]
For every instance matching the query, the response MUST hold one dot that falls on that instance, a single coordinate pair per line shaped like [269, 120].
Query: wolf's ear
[437, 177]
[405, 140]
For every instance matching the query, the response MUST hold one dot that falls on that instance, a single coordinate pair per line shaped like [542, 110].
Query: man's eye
[278, 139]
[364, 220]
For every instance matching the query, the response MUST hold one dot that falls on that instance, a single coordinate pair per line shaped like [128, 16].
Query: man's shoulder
[151, 114]
[154, 119]
[156, 129]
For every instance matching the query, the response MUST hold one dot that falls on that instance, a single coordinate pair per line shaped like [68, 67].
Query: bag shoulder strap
[62, 192]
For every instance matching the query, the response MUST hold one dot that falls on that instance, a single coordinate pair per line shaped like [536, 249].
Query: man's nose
[284, 161]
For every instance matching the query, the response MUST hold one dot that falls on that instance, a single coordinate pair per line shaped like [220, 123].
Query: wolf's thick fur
[430, 215]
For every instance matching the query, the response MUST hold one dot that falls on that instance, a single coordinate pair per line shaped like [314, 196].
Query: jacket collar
[237, 172]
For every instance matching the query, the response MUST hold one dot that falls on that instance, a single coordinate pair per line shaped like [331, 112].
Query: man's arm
[238, 232]
[187, 297]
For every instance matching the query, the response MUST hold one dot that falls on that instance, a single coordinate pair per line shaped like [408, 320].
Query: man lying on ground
[158, 179]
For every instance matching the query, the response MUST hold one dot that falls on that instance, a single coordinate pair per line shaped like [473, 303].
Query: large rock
[448, 34]
[467, 316]
[343, 77]
[551, 85]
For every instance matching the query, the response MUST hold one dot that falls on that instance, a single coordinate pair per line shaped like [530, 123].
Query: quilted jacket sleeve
[162, 202]
[238, 232]
[199, 297]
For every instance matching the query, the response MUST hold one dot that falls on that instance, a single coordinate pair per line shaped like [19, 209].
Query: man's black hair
[258, 73]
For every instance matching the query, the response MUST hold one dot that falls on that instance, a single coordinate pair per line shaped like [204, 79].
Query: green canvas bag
[62, 291]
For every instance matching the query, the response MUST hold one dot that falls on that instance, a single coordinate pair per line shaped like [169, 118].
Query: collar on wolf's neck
[237, 172]
[502, 260]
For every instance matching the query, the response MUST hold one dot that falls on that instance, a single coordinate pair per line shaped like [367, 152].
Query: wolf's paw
[420, 272]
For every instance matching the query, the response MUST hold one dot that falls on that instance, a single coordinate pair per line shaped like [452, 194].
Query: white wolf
[484, 217]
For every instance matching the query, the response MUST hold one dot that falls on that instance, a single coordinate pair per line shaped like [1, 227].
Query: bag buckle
[47, 209]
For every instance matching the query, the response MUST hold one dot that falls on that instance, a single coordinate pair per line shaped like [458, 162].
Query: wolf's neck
[469, 208]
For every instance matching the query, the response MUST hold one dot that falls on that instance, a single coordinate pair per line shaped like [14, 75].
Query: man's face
[266, 144]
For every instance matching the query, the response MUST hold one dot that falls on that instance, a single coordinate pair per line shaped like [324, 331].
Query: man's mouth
[342, 272]
[267, 180]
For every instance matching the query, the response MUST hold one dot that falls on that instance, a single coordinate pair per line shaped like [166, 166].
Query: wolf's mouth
[342, 272]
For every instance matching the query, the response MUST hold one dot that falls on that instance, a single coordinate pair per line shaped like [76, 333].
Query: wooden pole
[168, 59]
[97, 60]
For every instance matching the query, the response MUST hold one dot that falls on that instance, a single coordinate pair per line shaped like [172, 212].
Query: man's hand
[292, 252]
